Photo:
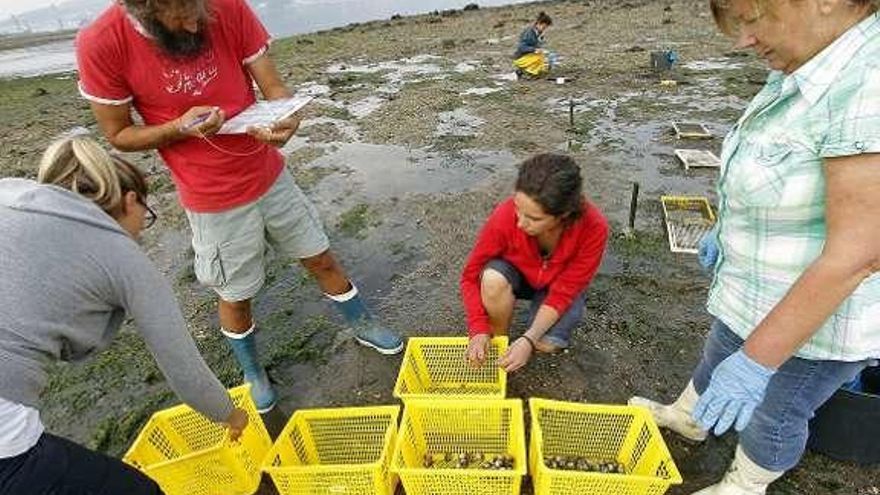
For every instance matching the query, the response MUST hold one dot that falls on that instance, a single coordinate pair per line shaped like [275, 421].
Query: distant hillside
[23, 40]
[70, 14]
[281, 17]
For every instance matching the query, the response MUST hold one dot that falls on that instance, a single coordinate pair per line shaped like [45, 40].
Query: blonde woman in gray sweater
[71, 271]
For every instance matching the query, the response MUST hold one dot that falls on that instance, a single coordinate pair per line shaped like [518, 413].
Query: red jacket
[566, 273]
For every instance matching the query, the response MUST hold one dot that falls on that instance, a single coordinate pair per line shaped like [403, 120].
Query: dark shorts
[60, 467]
[560, 333]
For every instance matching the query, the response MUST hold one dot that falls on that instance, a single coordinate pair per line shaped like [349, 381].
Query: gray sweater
[68, 275]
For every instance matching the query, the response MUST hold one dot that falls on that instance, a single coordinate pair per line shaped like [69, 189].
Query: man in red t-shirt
[185, 65]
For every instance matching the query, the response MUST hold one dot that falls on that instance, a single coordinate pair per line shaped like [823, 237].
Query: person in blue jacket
[530, 57]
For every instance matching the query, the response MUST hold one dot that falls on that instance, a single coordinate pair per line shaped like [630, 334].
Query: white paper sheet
[264, 113]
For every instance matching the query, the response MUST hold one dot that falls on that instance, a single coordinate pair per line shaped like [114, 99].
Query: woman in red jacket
[545, 244]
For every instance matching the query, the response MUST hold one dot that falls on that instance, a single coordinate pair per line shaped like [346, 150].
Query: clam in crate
[188, 454]
[336, 451]
[598, 449]
[461, 447]
[436, 367]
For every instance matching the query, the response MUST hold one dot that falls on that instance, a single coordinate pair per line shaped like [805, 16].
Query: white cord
[224, 150]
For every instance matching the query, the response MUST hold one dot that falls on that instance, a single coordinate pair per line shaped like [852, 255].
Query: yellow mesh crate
[188, 454]
[623, 434]
[435, 367]
[488, 428]
[687, 219]
[335, 451]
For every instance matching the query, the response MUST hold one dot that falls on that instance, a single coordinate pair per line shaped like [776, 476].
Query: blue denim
[776, 437]
[560, 333]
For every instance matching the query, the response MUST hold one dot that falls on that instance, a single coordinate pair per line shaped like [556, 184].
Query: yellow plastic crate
[436, 367]
[687, 219]
[335, 451]
[623, 434]
[188, 454]
[491, 427]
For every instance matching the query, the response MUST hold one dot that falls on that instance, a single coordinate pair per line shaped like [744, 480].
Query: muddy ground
[414, 136]
[10, 42]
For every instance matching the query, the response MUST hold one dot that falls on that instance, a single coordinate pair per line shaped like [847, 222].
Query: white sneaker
[743, 478]
[676, 416]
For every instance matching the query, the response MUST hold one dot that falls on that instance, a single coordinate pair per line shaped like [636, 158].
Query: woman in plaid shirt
[795, 295]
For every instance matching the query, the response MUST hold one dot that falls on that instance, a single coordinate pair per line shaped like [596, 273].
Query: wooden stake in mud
[633, 206]
[571, 113]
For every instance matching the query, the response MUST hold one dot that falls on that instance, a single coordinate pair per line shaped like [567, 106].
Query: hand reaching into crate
[237, 422]
[517, 355]
[478, 348]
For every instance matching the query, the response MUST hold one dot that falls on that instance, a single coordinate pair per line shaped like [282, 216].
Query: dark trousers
[560, 333]
[56, 466]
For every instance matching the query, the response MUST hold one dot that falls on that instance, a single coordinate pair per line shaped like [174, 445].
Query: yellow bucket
[188, 454]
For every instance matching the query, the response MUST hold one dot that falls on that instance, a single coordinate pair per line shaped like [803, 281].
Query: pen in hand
[196, 121]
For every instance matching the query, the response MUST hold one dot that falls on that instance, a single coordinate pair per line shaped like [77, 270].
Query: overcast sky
[18, 6]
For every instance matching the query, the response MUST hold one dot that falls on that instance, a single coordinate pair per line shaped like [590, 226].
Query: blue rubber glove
[708, 249]
[737, 387]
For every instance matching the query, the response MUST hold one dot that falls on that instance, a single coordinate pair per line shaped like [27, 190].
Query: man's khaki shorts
[231, 246]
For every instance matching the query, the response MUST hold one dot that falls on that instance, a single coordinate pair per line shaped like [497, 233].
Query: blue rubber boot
[368, 331]
[244, 346]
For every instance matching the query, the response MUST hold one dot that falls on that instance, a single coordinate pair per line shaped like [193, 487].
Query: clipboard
[264, 113]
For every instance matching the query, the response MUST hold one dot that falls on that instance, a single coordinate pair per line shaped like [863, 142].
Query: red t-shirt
[567, 272]
[119, 63]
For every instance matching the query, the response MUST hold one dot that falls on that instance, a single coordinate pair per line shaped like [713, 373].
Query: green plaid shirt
[772, 191]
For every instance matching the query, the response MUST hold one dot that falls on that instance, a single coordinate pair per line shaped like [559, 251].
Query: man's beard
[182, 44]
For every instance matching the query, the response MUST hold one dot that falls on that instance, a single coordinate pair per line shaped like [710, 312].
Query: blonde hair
[81, 165]
[727, 24]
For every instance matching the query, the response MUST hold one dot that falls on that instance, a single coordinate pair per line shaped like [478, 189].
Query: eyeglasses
[150, 216]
